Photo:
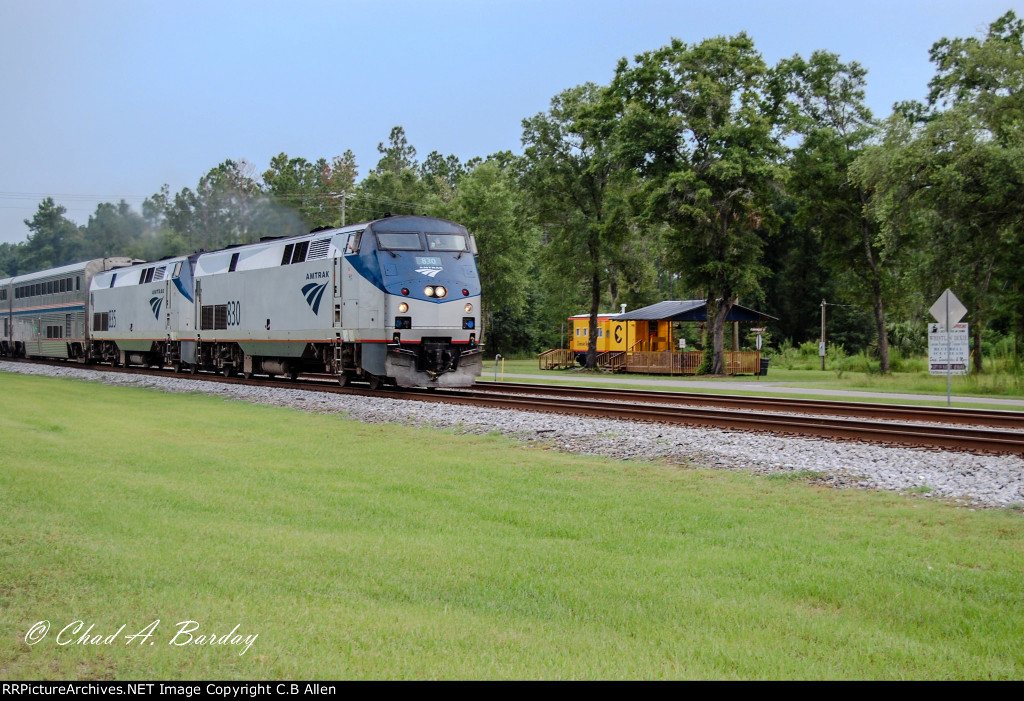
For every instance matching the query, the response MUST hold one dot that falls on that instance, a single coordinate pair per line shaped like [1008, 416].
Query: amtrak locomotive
[393, 301]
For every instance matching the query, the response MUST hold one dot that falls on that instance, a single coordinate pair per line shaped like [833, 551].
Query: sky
[104, 100]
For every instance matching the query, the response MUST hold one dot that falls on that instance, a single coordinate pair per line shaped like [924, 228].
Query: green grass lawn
[366, 551]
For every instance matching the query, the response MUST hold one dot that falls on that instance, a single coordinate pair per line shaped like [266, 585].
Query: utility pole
[343, 196]
[821, 346]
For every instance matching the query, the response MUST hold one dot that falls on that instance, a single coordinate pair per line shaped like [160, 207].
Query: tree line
[697, 172]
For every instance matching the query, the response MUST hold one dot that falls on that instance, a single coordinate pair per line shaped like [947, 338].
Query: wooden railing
[742, 362]
[663, 362]
[672, 363]
[650, 345]
[556, 359]
[612, 360]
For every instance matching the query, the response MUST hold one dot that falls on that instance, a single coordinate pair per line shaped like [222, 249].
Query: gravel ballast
[975, 480]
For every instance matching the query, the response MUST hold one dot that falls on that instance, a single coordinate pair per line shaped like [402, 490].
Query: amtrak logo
[429, 272]
[155, 303]
[314, 293]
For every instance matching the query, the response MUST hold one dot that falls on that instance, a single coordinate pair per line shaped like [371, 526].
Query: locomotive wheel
[343, 379]
[176, 366]
[193, 368]
[293, 375]
[375, 382]
[228, 371]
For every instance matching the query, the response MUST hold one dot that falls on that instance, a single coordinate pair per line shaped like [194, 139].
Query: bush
[859, 363]
[908, 337]
[809, 349]
[785, 356]
[706, 363]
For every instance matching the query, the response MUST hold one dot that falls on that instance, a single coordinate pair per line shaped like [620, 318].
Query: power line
[66, 196]
[299, 197]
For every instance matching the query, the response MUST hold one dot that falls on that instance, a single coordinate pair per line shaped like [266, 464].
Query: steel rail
[1001, 418]
[955, 438]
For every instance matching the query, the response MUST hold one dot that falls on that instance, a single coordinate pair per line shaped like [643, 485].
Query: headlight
[428, 291]
[468, 307]
[403, 308]
[440, 291]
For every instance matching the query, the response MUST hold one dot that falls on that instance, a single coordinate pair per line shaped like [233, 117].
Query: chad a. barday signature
[186, 633]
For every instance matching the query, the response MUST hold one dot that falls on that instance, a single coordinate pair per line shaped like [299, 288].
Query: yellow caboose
[615, 335]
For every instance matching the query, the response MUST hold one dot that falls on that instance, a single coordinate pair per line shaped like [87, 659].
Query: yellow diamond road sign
[947, 301]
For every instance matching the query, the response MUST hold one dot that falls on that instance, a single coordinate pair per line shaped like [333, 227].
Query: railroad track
[669, 408]
[998, 418]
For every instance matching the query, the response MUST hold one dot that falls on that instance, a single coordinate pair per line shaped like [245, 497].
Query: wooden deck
[655, 362]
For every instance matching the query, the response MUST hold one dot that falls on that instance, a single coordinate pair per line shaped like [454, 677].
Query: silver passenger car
[48, 309]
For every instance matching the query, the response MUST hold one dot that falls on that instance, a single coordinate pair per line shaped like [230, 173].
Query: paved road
[761, 386]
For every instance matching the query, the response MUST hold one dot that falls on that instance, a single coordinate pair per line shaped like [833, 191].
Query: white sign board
[948, 303]
[958, 351]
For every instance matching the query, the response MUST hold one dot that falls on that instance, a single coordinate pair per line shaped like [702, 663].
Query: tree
[163, 240]
[580, 192]
[441, 174]
[316, 191]
[54, 239]
[956, 174]
[836, 126]
[395, 185]
[114, 230]
[983, 81]
[398, 155]
[337, 182]
[702, 124]
[490, 205]
[985, 75]
[10, 254]
[228, 207]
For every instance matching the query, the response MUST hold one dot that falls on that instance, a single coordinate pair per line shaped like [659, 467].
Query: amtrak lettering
[318, 275]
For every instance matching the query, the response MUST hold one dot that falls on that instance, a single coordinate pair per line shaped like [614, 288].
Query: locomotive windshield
[446, 242]
[399, 242]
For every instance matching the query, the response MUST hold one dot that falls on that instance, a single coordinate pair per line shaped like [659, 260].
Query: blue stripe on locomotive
[459, 272]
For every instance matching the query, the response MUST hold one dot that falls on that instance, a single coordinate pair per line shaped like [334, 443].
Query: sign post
[821, 345]
[948, 310]
[758, 343]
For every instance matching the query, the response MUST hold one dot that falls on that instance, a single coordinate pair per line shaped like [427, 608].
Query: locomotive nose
[438, 357]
